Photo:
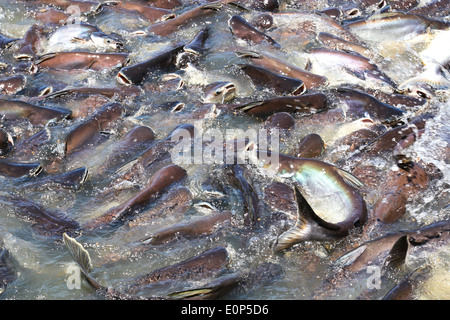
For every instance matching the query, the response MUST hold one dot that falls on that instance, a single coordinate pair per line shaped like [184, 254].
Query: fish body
[37, 115]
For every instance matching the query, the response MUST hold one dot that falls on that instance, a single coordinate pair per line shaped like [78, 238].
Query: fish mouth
[36, 171]
[301, 89]
[122, 79]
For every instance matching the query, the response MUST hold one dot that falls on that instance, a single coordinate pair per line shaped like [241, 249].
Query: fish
[149, 13]
[206, 263]
[432, 8]
[162, 179]
[81, 36]
[239, 179]
[359, 104]
[304, 105]
[51, 16]
[81, 60]
[406, 288]
[166, 4]
[244, 30]
[18, 170]
[82, 257]
[86, 131]
[174, 202]
[192, 16]
[85, 7]
[353, 63]
[45, 222]
[136, 73]
[277, 65]
[37, 115]
[6, 42]
[310, 146]
[6, 142]
[219, 92]
[316, 181]
[193, 50]
[7, 271]
[133, 142]
[336, 43]
[402, 184]
[72, 180]
[29, 46]
[281, 85]
[395, 25]
[194, 228]
[13, 84]
[281, 121]
[244, 281]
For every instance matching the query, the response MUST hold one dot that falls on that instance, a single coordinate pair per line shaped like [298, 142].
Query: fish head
[102, 40]
[220, 92]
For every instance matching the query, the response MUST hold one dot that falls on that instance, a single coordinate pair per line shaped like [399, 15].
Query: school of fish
[347, 198]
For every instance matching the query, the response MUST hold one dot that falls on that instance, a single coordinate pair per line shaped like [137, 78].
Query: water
[44, 266]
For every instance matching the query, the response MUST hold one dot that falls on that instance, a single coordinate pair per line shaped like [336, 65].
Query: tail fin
[303, 229]
[82, 258]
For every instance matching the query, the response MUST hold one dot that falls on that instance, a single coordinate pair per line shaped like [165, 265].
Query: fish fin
[189, 294]
[350, 178]
[248, 106]
[79, 254]
[307, 214]
[398, 253]
[127, 166]
[82, 258]
[348, 258]
[301, 231]
[308, 65]
[78, 40]
[44, 58]
[358, 74]
[248, 54]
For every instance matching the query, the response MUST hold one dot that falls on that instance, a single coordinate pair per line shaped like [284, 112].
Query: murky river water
[44, 266]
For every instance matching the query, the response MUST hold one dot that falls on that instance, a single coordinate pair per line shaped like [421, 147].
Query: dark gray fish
[92, 127]
[73, 180]
[202, 265]
[7, 272]
[81, 256]
[304, 104]
[130, 145]
[12, 84]
[407, 287]
[37, 115]
[239, 179]
[31, 43]
[193, 16]
[359, 103]
[6, 42]
[18, 170]
[310, 146]
[194, 228]
[277, 65]
[280, 120]
[244, 30]
[149, 13]
[242, 281]
[81, 60]
[352, 62]
[281, 85]
[159, 182]
[219, 92]
[43, 221]
[401, 185]
[6, 142]
[193, 50]
[136, 73]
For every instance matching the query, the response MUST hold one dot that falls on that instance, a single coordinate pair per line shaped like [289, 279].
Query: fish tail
[82, 258]
[298, 233]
